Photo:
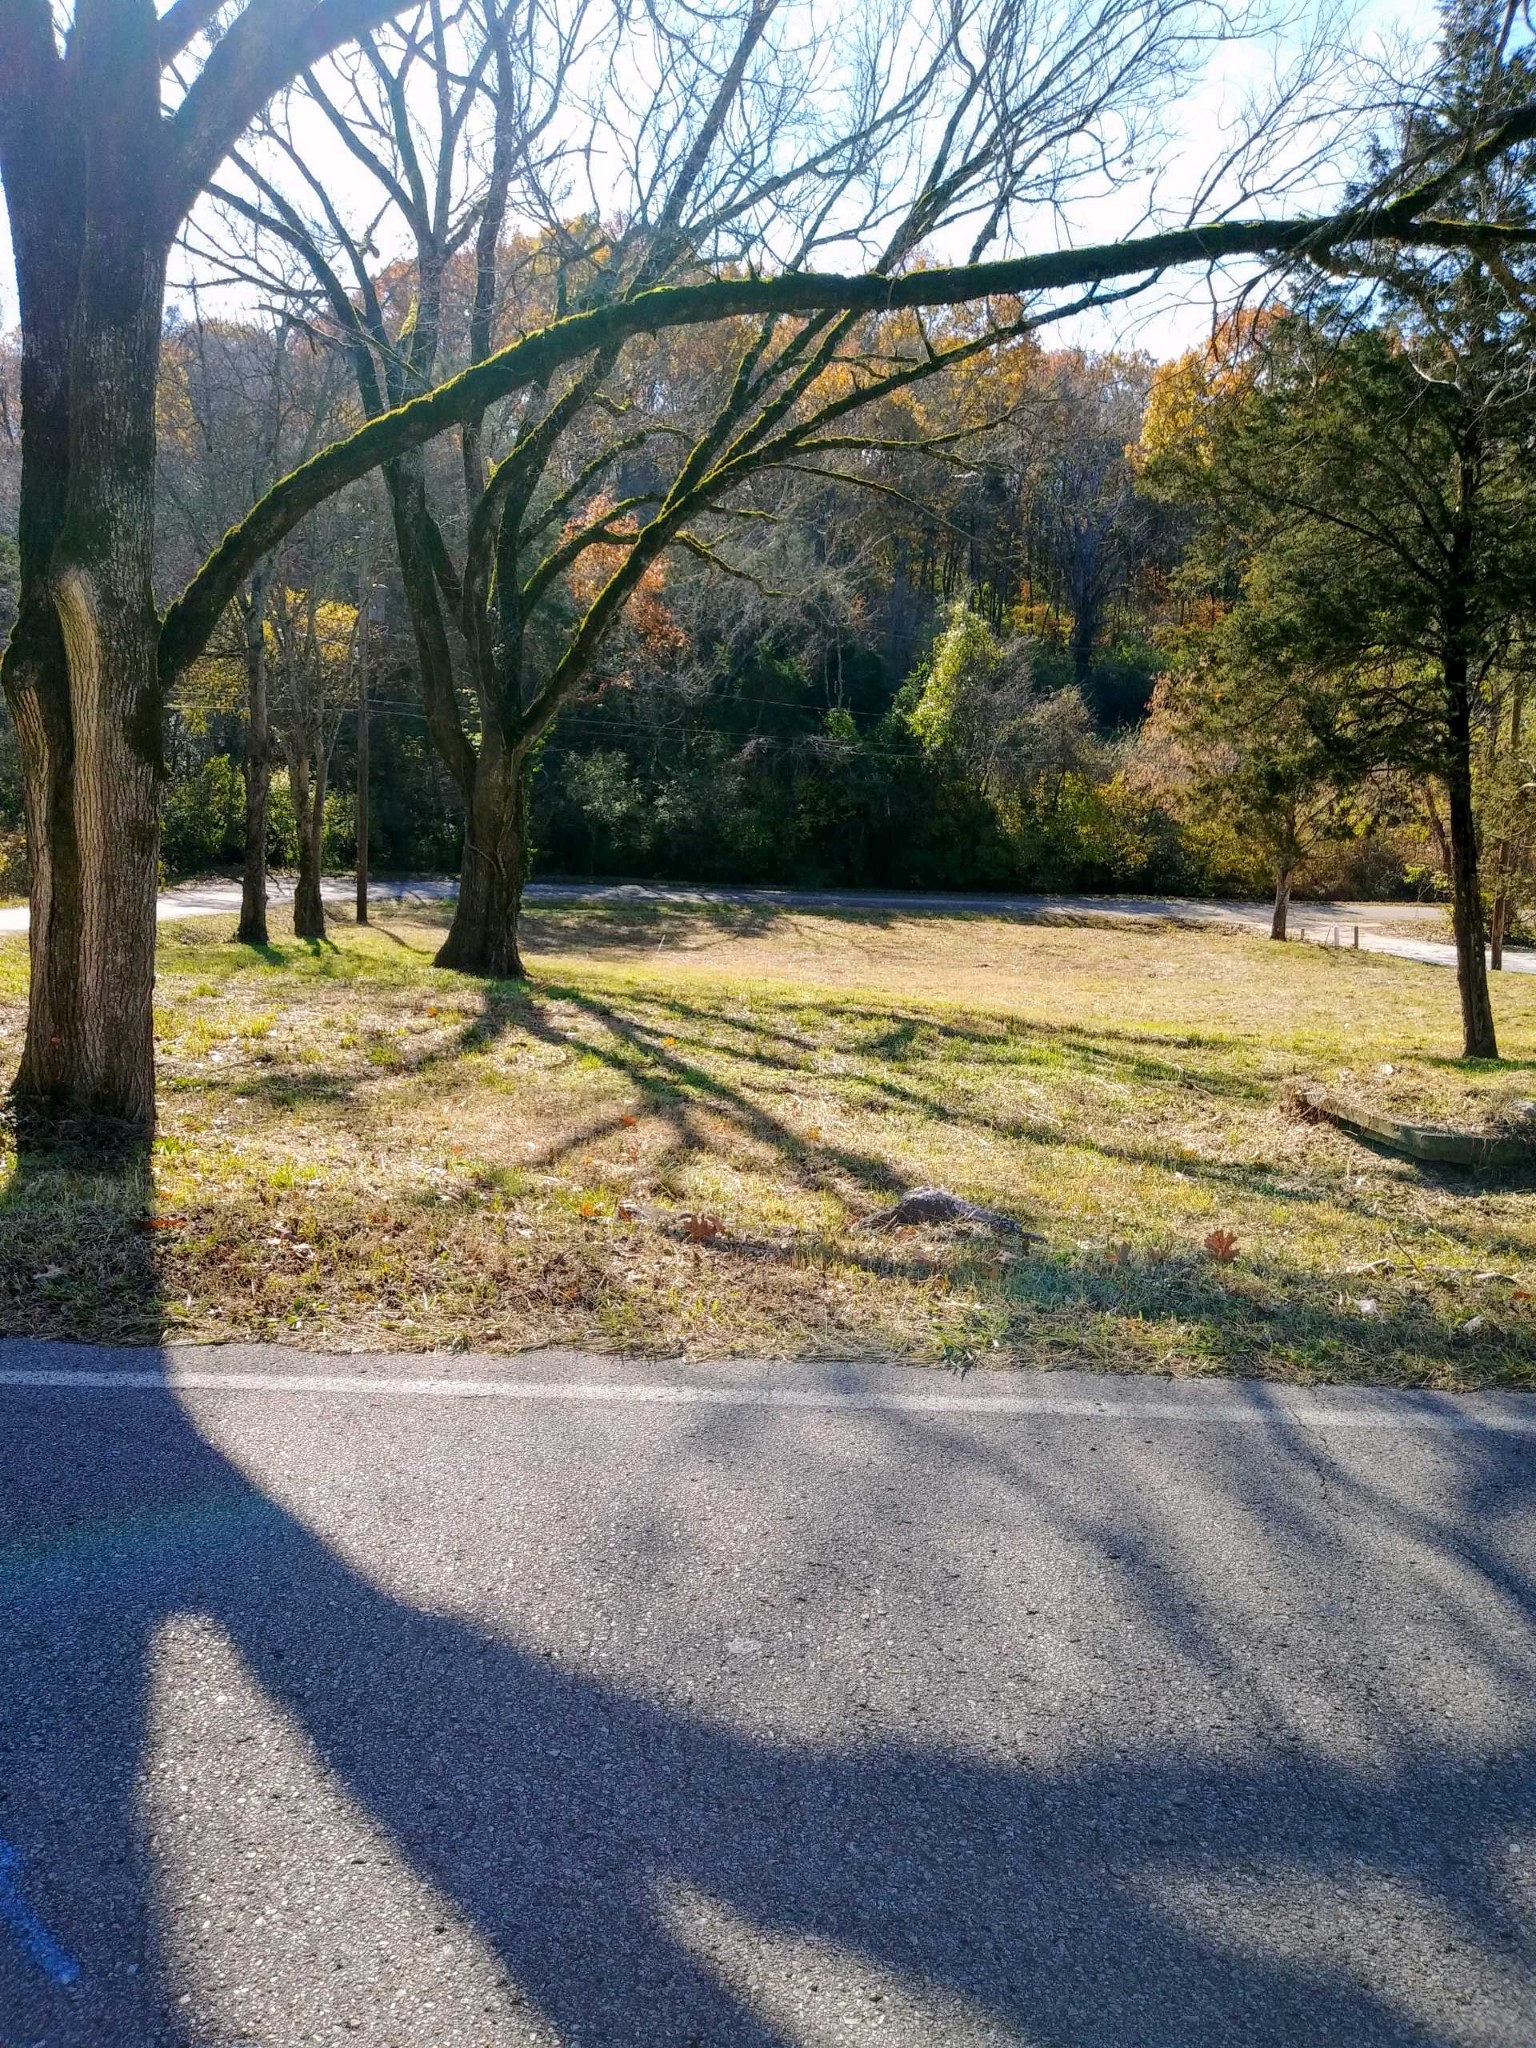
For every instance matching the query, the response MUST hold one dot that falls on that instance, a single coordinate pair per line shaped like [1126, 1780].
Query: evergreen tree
[1364, 464]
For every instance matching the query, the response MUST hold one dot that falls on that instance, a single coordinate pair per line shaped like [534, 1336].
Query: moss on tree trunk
[483, 936]
[81, 672]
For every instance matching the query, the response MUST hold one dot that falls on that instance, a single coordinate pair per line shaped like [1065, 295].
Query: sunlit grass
[359, 1149]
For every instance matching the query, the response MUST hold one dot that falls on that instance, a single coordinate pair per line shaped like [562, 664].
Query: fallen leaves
[160, 1223]
[704, 1229]
[1222, 1246]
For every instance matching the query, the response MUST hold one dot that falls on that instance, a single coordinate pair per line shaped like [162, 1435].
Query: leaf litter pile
[1082, 1156]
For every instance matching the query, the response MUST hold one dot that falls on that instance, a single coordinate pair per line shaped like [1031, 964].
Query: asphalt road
[1319, 923]
[453, 1701]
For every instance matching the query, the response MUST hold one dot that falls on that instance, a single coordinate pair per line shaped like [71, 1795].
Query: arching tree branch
[535, 358]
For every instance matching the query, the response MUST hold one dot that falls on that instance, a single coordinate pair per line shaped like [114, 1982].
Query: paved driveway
[455, 1702]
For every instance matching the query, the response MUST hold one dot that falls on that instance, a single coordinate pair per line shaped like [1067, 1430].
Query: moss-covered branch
[194, 615]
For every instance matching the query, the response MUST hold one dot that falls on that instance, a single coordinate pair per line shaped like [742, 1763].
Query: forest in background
[760, 718]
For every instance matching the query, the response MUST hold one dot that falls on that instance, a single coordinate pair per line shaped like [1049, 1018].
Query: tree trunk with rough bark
[258, 773]
[1479, 1041]
[80, 672]
[483, 936]
[492, 784]
[1277, 923]
[99, 167]
[309, 812]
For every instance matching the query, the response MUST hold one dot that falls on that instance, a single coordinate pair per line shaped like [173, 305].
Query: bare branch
[265, 48]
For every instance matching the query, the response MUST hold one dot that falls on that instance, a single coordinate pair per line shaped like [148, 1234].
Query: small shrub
[204, 819]
[15, 864]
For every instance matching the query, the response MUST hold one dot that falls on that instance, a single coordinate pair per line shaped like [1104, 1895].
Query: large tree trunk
[1477, 1032]
[493, 784]
[258, 773]
[80, 672]
[1277, 922]
[483, 936]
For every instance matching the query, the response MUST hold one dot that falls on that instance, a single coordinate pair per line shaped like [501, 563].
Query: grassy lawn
[357, 1150]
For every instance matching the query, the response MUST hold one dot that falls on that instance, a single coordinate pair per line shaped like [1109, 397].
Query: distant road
[220, 899]
[1317, 923]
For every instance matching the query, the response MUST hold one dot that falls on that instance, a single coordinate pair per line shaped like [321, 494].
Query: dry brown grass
[359, 1150]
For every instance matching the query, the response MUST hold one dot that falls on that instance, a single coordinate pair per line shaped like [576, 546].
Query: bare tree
[314, 646]
[241, 403]
[617, 459]
[1085, 522]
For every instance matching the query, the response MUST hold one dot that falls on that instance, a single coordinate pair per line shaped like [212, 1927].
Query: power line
[598, 729]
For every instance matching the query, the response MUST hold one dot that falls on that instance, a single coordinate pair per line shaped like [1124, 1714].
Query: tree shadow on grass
[672, 1086]
[658, 925]
[1447, 1179]
[691, 1066]
[260, 949]
[307, 1089]
[665, 1074]
[649, 1055]
[575, 1821]
[1277, 1320]
[78, 1238]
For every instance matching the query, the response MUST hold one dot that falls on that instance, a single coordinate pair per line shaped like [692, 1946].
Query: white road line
[1261, 1410]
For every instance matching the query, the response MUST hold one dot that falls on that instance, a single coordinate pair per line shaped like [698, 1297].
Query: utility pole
[258, 771]
[362, 767]
[362, 796]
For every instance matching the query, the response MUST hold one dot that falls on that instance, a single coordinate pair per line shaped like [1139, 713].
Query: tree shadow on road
[562, 1814]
